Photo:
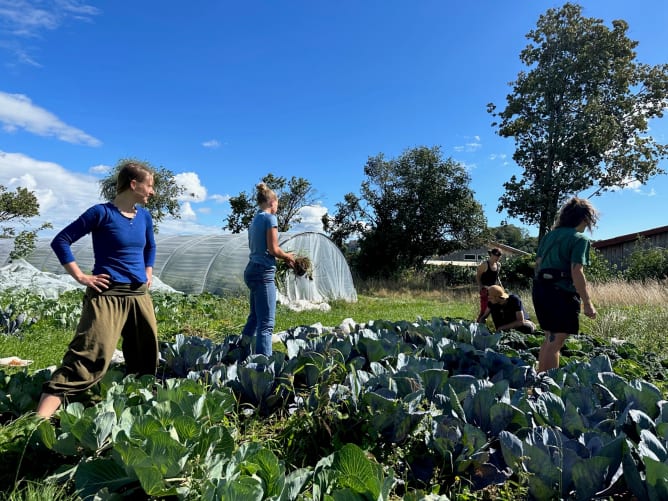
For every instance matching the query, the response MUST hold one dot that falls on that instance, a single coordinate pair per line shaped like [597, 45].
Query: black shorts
[557, 310]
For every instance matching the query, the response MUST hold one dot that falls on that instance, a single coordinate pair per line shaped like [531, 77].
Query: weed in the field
[37, 491]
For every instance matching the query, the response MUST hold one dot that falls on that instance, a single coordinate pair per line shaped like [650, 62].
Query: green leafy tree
[18, 207]
[293, 195]
[412, 207]
[514, 236]
[167, 191]
[347, 222]
[579, 115]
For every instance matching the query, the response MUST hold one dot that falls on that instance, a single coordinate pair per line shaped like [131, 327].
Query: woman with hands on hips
[116, 303]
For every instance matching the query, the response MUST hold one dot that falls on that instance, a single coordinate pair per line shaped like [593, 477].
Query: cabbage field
[423, 409]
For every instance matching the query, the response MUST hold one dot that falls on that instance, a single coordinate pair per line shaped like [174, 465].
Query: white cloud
[187, 212]
[23, 19]
[212, 143]
[219, 199]
[18, 112]
[194, 191]
[311, 218]
[100, 169]
[62, 195]
[185, 227]
[471, 145]
[633, 185]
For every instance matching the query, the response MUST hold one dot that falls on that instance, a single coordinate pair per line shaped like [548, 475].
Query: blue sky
[223, 92]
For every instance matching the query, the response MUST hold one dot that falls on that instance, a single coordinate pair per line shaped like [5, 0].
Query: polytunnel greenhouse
[215, 263]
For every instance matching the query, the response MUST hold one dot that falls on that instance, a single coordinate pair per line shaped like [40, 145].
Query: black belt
[550, 274]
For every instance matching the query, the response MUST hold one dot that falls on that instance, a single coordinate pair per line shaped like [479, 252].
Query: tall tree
[293, 195]
[514, 236]
[410, 208]
[347, 222]
[19, 207]
[579, 115]
[167, 191]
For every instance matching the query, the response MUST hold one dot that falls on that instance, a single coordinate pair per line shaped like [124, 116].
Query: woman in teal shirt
[560, 287]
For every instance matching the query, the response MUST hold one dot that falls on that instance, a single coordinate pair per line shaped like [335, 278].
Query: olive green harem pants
[122, 311]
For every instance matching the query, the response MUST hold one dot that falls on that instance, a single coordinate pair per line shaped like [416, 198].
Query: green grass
[215, 317]
[37, 491]
[643, 326]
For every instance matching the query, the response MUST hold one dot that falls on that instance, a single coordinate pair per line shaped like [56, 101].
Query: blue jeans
[261, 282]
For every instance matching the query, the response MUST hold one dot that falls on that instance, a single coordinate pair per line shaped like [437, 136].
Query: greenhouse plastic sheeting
[215, 264]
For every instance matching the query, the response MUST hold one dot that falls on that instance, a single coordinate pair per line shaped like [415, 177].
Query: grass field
[631, 312]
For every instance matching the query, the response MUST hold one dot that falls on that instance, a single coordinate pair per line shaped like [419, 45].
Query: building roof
[601, 244]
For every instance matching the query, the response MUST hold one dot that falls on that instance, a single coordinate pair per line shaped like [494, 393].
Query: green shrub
[450, 275]
[517, 272]
[599, 269]
[647, 264]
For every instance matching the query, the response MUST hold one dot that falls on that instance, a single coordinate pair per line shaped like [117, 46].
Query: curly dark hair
[574, 212]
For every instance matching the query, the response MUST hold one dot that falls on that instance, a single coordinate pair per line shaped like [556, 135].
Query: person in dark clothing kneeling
[507, 311]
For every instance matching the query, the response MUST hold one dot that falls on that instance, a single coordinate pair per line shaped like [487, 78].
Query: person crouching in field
[116, 303]
[560, 287]
[507, 311]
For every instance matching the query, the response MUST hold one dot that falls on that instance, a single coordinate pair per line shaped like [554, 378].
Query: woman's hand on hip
[97, 282]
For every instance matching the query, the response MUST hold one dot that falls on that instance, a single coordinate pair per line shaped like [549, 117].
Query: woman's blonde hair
[574, 212]
[264, 194]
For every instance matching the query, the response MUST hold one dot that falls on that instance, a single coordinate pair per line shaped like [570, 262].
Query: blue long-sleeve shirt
[122, 247]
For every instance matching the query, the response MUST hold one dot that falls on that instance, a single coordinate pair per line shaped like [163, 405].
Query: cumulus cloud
[62, 195]
[193, 189]
[212, 143]
[311, 218]
[17, 111]
[187, 212]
